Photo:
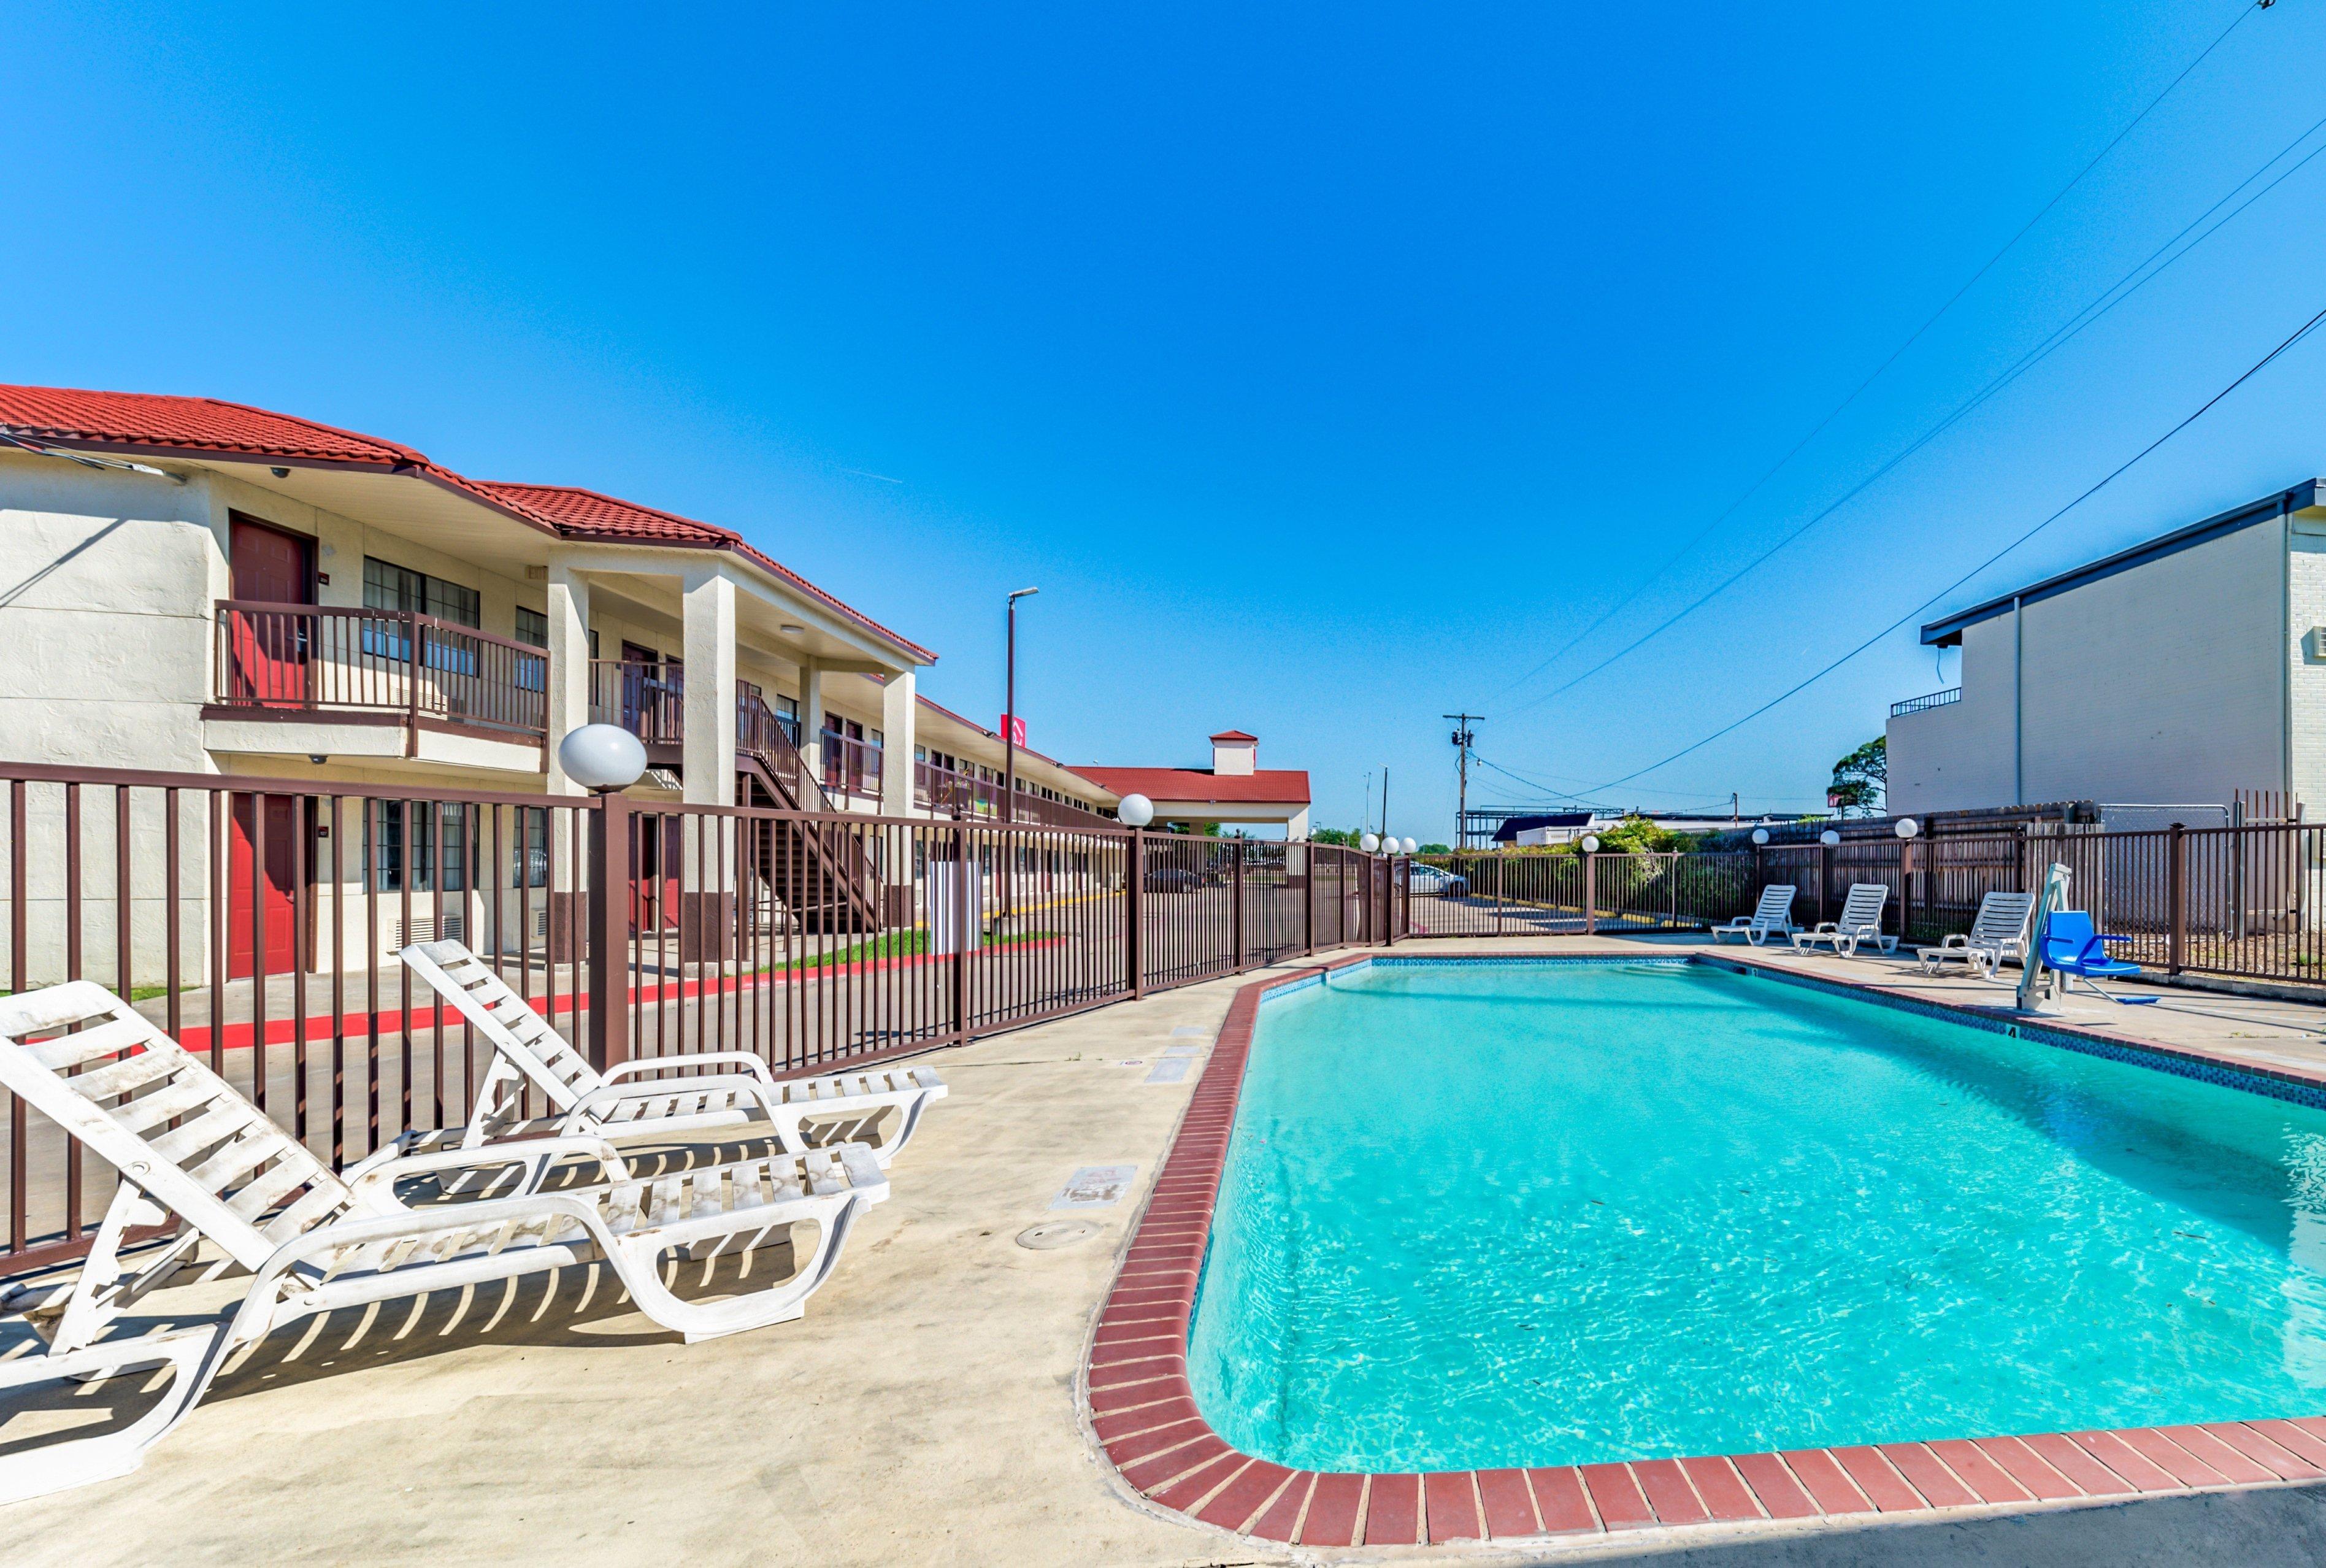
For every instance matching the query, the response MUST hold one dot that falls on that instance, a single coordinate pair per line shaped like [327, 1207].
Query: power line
[2107, 300]
[2299, 333]
[1895, 354]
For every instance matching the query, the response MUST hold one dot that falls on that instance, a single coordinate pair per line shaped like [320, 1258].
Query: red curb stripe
[1668, 1492]
[1560, 1498]
[1451, 1500]
[1162, 1471]
[1393, 1512]
[1883, 1486]
[1332, 1511]
[1725, 1496]
[1281, 1518]
[1145, 1418]
[1924, 1471]
[1128, 1450]
[2258, 1448]
[1508, 1505]
[1617, 1494]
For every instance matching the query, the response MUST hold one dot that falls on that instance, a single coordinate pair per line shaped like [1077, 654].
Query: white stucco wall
[2305, 669]
[2165, 683]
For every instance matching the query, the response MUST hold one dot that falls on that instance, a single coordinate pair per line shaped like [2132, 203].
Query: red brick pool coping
[1143, 1411]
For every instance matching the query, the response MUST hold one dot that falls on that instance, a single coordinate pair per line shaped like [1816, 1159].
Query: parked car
[1173, 878]
[1443, 883]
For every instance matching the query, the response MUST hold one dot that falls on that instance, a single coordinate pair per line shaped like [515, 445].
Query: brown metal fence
[257, 922]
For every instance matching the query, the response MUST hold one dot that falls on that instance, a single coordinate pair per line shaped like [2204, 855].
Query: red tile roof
[586, 514]
[151, 421]
[1236, 735]
[1264, 787]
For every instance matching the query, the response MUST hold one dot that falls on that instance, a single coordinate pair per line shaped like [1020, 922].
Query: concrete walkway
[924, 1412]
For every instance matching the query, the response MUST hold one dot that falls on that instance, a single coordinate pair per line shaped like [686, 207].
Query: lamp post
[605, 760]
[1010, 714]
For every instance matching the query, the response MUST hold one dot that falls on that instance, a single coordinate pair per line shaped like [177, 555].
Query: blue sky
[1328, 367]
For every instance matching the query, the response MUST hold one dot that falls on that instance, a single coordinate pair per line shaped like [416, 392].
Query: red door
[269, 648]
[277, 927]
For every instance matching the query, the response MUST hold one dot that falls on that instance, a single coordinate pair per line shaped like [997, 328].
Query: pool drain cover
[1056, 1233]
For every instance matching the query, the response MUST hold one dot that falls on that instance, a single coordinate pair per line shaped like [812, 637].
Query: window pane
[533, 627]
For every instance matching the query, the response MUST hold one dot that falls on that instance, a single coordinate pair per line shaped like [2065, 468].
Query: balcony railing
[1934, 700]
[850, 767]
[294, 658]
[945, 789]
[649, 700]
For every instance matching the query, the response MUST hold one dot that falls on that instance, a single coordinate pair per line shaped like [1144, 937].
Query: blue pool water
[1485, 1216]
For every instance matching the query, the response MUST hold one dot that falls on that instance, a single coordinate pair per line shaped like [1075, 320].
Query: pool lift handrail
[2033, 985]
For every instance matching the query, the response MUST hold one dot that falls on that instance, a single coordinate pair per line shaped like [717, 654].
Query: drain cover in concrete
[1055, 1233]
[1171, 1069]
[1095, 1187]
[1183, 1050]
[1189, 1031]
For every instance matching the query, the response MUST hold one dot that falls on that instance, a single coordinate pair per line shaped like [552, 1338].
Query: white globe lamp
[1134, 811]
[1760, 835]
[602, 758]
[1828, 838]
[1591, 844]
[1410, 846]
[1908, 827]
[1369, 844]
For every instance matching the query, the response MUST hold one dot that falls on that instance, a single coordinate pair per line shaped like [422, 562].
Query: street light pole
[1010, 714]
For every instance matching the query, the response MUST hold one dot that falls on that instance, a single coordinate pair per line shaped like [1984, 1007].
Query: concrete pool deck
[927, 1409]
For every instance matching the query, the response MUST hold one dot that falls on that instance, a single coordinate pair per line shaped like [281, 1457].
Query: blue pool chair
[2073, 948]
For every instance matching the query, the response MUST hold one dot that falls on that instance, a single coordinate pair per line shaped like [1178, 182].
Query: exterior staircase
[824, 873]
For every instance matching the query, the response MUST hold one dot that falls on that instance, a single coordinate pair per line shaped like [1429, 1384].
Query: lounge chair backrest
[2002, 918]
[1776, 905]
[526, 1048]
[158, 1115]
[1862, 911]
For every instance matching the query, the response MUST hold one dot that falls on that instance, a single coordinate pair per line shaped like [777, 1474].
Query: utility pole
[1384, 826]
[1463, 739]
[1732, 815]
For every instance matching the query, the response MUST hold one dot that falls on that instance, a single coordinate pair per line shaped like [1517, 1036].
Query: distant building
[1234, 789]
[1567, 826]
[2189, 670]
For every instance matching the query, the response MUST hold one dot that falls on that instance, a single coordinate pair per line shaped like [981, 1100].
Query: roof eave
[2300, 497]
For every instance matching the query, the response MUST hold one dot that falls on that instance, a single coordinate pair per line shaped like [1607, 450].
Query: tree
[1861, 780]
[1435, 849]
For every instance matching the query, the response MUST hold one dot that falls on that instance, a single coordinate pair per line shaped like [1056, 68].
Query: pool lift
[2036, 984]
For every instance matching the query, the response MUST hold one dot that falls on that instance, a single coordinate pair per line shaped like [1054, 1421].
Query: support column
[566, 703]
[709, 753]
[898, 711]
[811, 718]
[707, 847]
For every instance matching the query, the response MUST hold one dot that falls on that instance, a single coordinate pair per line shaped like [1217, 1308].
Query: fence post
[1235, 901]
[2177, 898]
[964, 866]
[1307, 899]
[1590, 893]
[1674, 875]
[1825, 881]
[609, 932]
[1134, 930]
[1498, 892]
[1905, 890]
[411, 686]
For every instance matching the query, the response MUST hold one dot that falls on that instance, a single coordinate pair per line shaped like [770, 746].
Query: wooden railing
[649, 700]
[306, 658]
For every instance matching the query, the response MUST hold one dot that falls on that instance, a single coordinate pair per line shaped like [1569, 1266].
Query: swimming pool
[1514, 1214]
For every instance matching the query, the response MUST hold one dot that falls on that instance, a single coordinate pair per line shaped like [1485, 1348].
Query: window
[533, 627]
[434, 857]
[529, 851]
[392, 587]
[397, 588]
[531, 674]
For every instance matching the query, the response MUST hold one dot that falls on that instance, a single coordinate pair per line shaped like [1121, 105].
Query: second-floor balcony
[1924, 703]
[649, 700]
[294, 660]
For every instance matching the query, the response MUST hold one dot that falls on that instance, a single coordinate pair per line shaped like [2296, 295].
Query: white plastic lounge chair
[615, 1103]
[1861, 921]
[1772, 916]
[188, 1145]
[1999, 932]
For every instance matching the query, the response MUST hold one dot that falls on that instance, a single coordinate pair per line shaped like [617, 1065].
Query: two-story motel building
[200, 586]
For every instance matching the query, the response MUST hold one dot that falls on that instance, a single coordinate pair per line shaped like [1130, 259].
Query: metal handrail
[312, 657]
[1922, 704]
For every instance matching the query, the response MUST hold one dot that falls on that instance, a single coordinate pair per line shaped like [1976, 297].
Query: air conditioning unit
[451, 927]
